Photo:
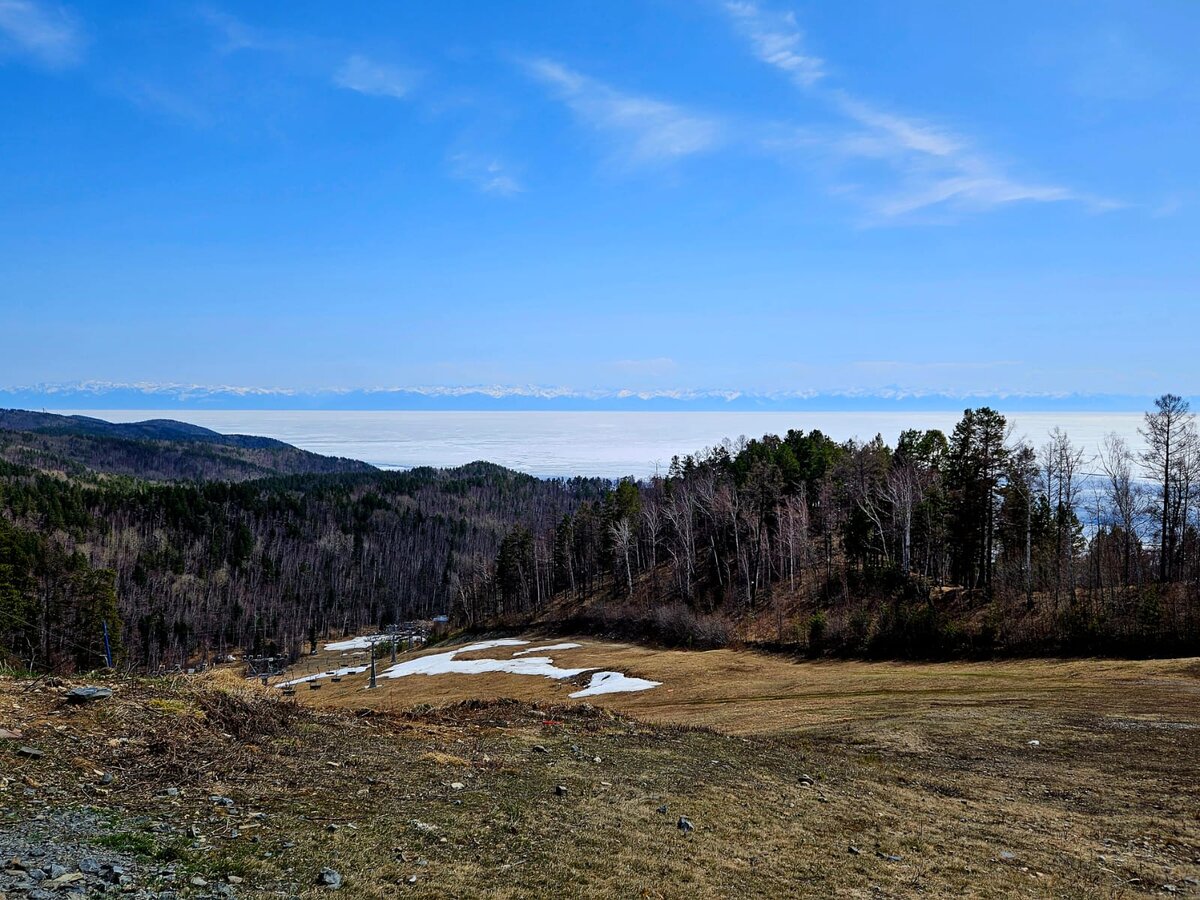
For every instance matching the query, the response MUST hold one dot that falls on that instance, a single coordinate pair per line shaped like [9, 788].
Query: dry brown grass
[928, 763]
[755, 693]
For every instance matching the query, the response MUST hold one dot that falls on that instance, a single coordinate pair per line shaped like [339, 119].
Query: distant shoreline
[590, 443]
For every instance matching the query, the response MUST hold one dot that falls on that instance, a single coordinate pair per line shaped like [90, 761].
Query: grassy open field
[800, 778]
[929, 762]
[754, 693]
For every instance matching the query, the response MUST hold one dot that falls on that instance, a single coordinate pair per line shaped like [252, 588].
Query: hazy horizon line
[99, 395]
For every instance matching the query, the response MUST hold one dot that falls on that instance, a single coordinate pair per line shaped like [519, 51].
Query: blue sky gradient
[652, 195]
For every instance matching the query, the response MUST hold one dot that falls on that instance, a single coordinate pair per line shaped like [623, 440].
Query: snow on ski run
[522, 662]
[614, 683]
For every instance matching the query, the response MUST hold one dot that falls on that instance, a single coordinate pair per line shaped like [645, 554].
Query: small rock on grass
[88, 694]
[329, 878]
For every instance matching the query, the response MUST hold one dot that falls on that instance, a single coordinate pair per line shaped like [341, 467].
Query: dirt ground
[798, 779]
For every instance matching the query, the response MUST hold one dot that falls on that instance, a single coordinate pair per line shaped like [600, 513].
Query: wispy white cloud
[649, 130]
[966, 191]
[892, 133]
[1169, 206]
[158, 98]
[487, 174]
[49, 34]
[778, 41]
[236, 35]
[938, 169]
[931, 167]
[366, 76]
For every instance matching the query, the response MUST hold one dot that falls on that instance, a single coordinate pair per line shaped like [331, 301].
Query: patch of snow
[448, 664]
[492, 644]
[332, 673]
[357, 643]
[547, 649]
[362, 643]
[615, 683]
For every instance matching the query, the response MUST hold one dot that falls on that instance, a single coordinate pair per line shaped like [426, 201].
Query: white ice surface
[614, 683]
[547, 649]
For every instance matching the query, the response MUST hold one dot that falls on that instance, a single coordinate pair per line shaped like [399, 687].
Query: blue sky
[656, 195]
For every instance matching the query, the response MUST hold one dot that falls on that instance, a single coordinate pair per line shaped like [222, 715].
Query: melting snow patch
[521, 663]
[547, 649]
[614, 683]
[447, 663]
[349, 670]
[357, 643]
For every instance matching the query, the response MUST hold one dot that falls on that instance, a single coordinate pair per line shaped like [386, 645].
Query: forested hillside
[154, 450]
[968, 543]
[942, 545]
[203, 567]
[194, 567]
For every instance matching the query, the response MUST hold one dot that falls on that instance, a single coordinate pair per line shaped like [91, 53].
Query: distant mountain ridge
[105, 395]
[149, 429]
[155, 449]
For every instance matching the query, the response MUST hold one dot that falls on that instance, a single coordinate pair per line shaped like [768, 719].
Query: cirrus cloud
[919, 166]
[358, 73]
[647, 130]
[48, 34]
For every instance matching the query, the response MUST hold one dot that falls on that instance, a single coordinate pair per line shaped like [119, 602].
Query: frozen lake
[610, 444]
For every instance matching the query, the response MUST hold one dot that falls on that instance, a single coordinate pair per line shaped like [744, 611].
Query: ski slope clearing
[480, 658]
[814, 779]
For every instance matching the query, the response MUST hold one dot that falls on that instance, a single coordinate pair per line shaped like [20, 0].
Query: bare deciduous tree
[1170, 433]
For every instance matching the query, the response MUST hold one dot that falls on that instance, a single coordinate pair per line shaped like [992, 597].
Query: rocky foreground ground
[209, 788]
